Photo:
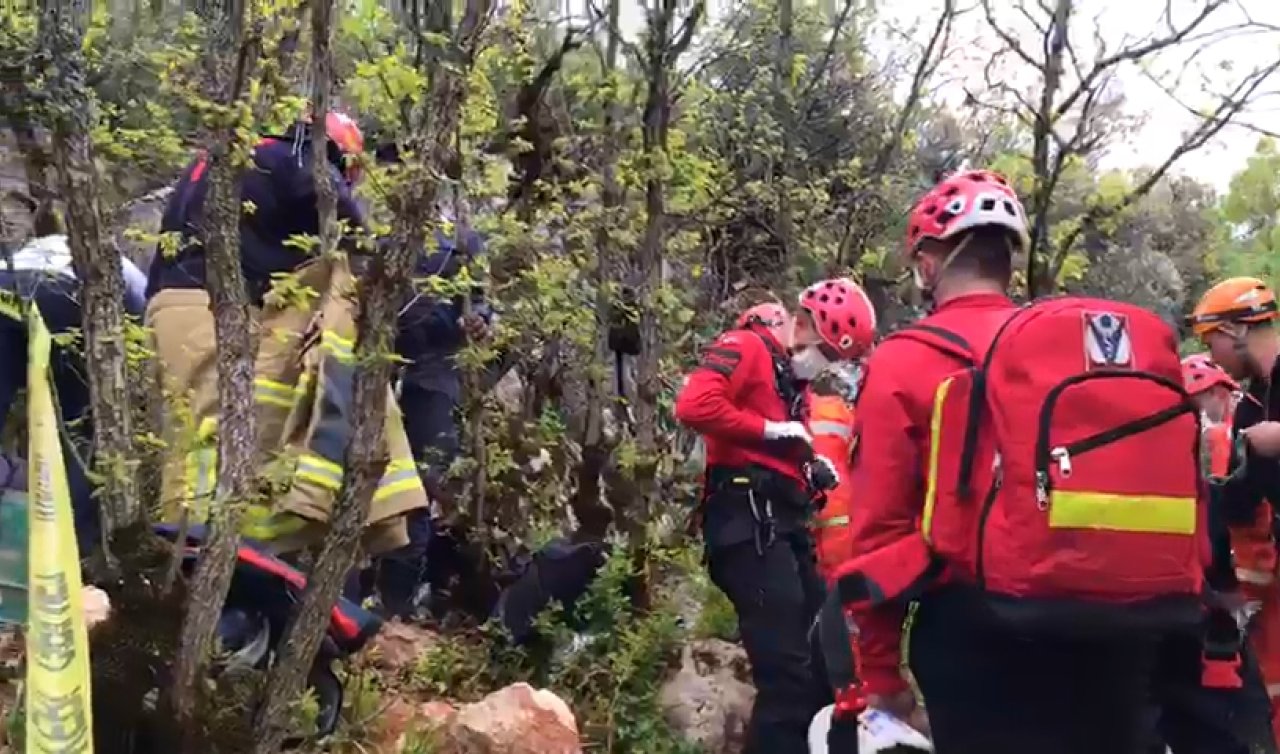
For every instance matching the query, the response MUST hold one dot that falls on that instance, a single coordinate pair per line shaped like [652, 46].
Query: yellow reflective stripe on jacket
[321, 471]
[273, 393]
[1148, 514]
[342, 348]
[400, 476]
[260, 522]
[835, 429]
[201, 469]
[828, 523]
[935, 437]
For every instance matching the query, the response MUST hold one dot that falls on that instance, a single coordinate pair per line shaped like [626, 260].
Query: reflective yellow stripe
[1258, 578]
[342, 348]
[935, 437]
[276, 393]
[827, 523]
[1149, 514]
[837, 429]
[313, 468]
[260, 522]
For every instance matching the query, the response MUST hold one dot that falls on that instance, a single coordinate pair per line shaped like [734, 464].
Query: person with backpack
[746, 399]
[1028, 477]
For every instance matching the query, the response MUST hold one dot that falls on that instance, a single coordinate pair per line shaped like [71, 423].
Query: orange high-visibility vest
[1218, 440]
[831, 424]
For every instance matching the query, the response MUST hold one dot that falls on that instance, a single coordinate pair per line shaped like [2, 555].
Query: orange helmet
[1199, 374]
[1240, 299]
[773, 317]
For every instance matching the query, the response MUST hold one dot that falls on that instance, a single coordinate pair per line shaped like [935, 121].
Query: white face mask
[808, 363]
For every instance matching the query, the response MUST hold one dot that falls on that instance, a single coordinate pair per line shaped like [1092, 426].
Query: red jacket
[889, 464]
[728, 398]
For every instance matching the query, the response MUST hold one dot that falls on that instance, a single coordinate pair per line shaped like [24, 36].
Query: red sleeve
[886, 471]
[706, 403]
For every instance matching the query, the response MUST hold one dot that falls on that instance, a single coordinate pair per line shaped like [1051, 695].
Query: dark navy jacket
[429, 333]
[279, 186]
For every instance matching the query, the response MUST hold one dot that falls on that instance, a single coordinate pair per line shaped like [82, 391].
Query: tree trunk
[96, 262]
[784, 108]
[232, 60]
[593, 516]
[383, 287]
[664, 48]
[1039, 256]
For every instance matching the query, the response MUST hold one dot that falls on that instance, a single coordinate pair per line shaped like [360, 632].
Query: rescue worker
[41, 273]
[1213, 390]
[745, 399]
[988, 691]
[280, 188]
[431, 331]
[1234, 320]
[305, 362]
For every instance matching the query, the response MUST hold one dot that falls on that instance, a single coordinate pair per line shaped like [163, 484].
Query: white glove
[787, 431]
[822, 474]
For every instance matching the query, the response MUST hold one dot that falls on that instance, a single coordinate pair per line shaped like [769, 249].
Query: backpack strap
[954, 345]
[940, 339]
[783, 378]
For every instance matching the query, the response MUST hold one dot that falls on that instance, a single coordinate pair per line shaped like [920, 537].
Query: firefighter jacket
[304, 390]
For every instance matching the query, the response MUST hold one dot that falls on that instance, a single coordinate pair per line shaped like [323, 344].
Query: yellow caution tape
[58, 704]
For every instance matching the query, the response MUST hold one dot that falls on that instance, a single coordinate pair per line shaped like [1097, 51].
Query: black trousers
[776, 595]
[1192, 719]
[432, 428]
[989, 692]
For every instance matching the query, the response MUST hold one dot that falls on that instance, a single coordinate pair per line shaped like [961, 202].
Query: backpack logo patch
[1106, 341]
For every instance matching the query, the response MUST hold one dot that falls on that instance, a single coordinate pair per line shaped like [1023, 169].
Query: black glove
[822, 474]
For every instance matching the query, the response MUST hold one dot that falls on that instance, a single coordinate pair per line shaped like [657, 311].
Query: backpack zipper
[1047, 454]
[988, 502]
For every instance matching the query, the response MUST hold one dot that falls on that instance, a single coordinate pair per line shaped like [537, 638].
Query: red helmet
[842, 315]
[771, 316]
[1199, 374]
[964, 201]
[343, 131]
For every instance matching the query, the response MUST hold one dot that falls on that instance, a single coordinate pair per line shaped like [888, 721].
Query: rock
[515, 720]
[395, 721]
[400, 645]
[401, 724]
[709, 700]
[436, 713]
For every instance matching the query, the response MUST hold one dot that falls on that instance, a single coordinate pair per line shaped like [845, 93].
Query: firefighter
[746, 399]
[305, 362]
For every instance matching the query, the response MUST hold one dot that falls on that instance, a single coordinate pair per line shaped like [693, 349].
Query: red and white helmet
[1199, 374]
[345, 132]
[962, 202]
[842, 315]
[772, 317]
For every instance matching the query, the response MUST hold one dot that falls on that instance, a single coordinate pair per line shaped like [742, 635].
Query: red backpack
[1064, 479]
